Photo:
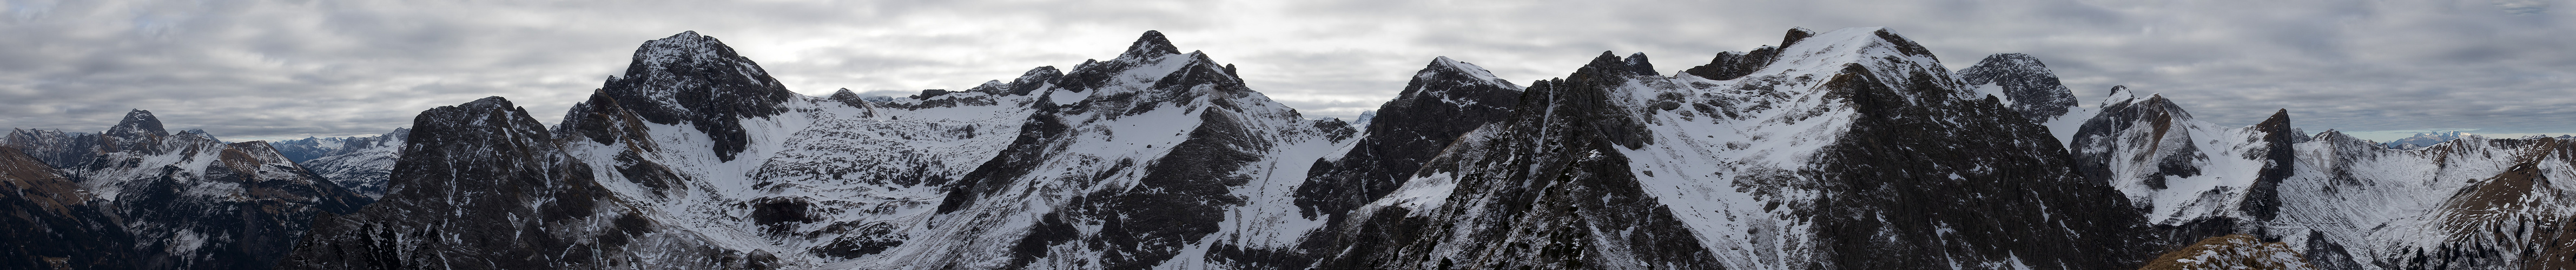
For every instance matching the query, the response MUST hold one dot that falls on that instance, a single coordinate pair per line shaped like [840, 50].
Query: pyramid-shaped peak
[1151, 44]
[1445, 70]
[2280, 120]
[1444, 63]
[139, 122]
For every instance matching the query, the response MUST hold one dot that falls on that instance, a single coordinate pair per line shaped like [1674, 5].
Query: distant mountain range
[1847, 149]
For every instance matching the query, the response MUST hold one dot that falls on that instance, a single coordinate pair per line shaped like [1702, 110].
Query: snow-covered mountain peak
[1881, 52]
[695, 80]
[688, 75]
[2119, 94]
[1450, 71]
[138, 124]
[139, 131]
[1140, 78]
[1151, 45]
[2023, 83]
[685, 46]
[1732, 65]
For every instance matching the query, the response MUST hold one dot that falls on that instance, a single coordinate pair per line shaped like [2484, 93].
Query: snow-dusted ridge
[174, 201]
[1844, 149]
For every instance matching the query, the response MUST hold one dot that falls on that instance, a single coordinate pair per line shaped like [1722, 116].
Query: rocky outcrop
[1826, 160]
[698, 81]
[62, 150]
[485, 167]
[1731, 65]
[185, 200]
[1446, 99]
[2024, 83]
[2234, 251]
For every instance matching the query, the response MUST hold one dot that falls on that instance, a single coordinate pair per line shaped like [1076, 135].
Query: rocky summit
[139, 197]
[1853, 148]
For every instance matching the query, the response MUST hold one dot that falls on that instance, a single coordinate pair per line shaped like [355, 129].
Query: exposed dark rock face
[2025, 82]
[1445, 100]
[46, 222]
[1790, 157]
[1731, 65]
[853, 99]
[1181, 198]
[2263, 199]
[1038, 77]
[139, 132]
[186, 200]
[1175, 200]
[168, 210]
[1546, 186]
[1917, 176]
[1880, 177]
[697, 80]
[63, 150]
[2158, 118]
[486, 166]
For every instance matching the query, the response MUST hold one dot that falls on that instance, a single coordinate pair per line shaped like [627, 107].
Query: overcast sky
[256, 69]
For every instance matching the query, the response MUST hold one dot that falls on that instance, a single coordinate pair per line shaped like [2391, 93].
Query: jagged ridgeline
[1845, 149]
[1850, 149]
[139, 197]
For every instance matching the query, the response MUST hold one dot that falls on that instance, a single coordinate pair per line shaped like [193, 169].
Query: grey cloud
[2522, 7]
[257, 68]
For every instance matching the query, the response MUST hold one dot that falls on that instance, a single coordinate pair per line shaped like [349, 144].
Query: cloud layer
[293, 68]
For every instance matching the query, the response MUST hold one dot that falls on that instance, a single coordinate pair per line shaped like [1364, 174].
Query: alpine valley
[1846, 149]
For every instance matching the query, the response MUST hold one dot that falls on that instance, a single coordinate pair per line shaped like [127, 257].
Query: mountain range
[1846, 149]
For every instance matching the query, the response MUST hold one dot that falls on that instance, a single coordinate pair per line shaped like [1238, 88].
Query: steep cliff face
[2023, 83]
[1446, 99]
[2026, 85]
[697, 81]
[1153, 155]
[486, 187]
[2188, 173]
[1826, 157]
[1154, 159]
